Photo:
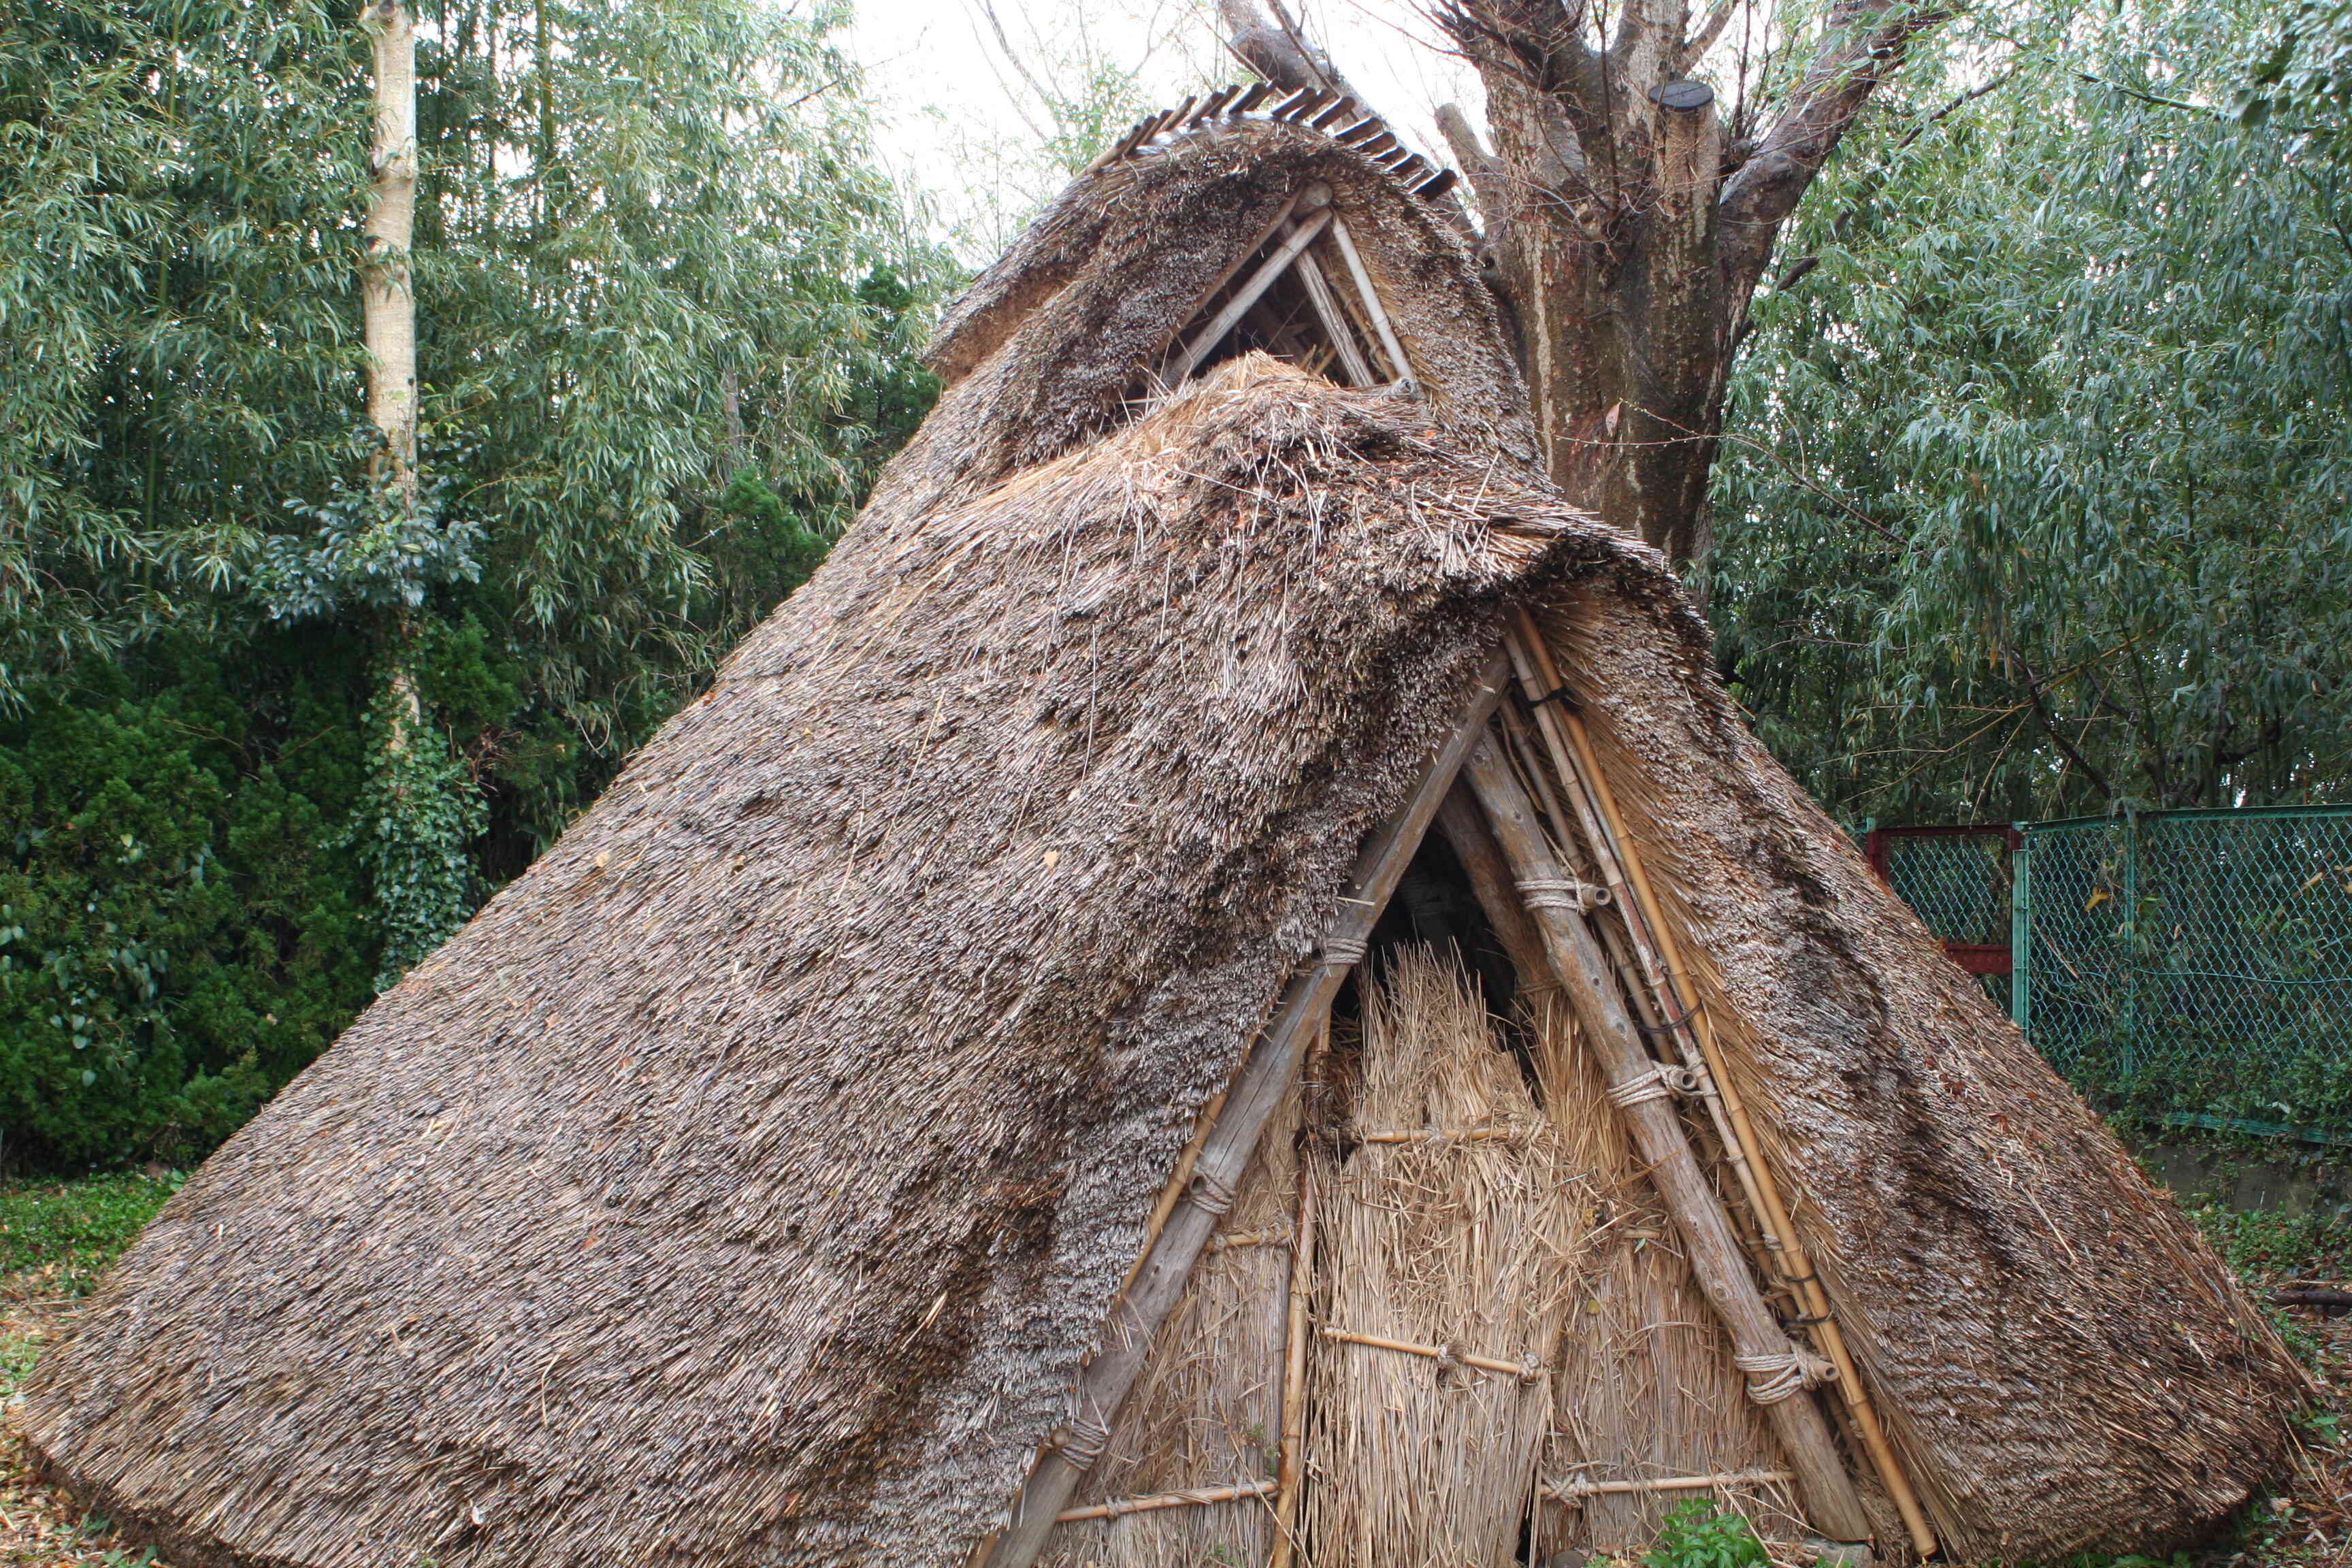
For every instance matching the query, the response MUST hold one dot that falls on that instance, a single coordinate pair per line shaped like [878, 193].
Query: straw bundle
[1465, 1244]
[1208, 1410]
[1645, 1389]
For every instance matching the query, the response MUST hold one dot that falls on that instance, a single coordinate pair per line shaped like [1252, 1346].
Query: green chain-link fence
[2194, 966]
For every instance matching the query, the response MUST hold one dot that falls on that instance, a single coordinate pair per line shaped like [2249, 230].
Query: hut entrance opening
[1302, 295]
[1490, 1268]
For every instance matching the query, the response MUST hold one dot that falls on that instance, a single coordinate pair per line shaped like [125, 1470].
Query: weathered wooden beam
[1371, 296]
[1238, 307]
[1638, 1087]
[1265, 1076]
[1357, 368]
[1465, 827]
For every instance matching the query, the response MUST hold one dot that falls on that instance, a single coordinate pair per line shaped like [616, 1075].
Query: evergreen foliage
[2039, 495]
[268, 734]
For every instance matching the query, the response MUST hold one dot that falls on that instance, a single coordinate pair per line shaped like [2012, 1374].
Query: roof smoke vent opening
[1301, 295]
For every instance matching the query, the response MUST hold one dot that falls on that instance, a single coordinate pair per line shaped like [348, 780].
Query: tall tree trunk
[1627, 224]
[387, 295]
[388, 299]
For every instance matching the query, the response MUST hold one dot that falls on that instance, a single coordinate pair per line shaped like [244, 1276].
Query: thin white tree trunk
[386, 288]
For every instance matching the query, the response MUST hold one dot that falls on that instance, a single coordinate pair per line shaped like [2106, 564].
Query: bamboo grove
[667, 312]
[2030, 496]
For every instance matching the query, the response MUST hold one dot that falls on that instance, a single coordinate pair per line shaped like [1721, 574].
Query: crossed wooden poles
[1544, 912]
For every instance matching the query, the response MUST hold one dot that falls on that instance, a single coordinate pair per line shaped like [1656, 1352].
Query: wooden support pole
[1335, 321]
[1265, 1076]
[1372, 297]
[1490, 878]
[1288, 1468]
[1274, 267]
[1532, 658]
[1717, 1264]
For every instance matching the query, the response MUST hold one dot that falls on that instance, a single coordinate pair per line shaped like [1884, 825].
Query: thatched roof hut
[850, 1144]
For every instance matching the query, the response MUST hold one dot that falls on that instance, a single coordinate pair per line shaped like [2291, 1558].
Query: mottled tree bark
[388, 301]
[1627, 224]
[388, 304]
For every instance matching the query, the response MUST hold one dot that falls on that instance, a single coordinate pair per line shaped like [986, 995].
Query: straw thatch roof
[745, 1184]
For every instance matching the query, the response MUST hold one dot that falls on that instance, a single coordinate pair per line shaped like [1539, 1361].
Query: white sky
[949, 109]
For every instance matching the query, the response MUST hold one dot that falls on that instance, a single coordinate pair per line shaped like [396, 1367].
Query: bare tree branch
[1842, 225]
[1534, 51]
[1487, 176]
[1860, 47]
[1708, 32]
[1273, 46]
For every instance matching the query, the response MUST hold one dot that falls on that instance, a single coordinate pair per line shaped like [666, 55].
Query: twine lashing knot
[1774, 1377]
[1081, 1442]
[1343, 949]
[1212, 1193]
[1664, 1081]
[1567, 893]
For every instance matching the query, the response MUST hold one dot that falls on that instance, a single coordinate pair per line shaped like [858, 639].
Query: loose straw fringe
[1528, 1370]
[1159, 1500]
[1575, 1491]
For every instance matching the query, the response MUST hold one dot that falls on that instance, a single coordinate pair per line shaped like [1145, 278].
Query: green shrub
[1695, 1535]
[180, 929]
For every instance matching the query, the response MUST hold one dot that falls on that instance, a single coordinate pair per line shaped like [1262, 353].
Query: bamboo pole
[1159, 1500]
[1718, 1263]
[1289, 1468]
[1274, 267]
[1532, 655]
[1265, 1076]
[1574, 1491]
[1439, 1134]
[1432, 1352]
[1174, 1191]
[1363, 280]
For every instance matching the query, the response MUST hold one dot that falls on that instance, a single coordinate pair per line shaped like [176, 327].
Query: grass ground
[57, 1239]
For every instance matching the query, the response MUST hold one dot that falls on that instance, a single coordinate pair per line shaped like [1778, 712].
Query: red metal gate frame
[1977, 958]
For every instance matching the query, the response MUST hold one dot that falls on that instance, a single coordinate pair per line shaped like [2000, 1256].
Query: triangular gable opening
[1411, 1232]
[1301, 294]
